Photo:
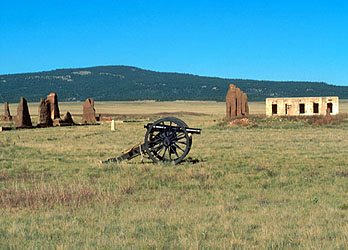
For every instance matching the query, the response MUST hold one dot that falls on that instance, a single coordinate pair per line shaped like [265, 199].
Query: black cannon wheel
[171, 144]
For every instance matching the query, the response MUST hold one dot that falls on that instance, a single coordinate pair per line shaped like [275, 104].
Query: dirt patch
[239, 122]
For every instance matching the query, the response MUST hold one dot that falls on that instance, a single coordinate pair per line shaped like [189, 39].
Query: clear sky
[269, 40]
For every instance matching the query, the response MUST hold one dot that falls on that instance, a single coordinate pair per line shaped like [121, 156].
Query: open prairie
[147, 107]
[271, 183]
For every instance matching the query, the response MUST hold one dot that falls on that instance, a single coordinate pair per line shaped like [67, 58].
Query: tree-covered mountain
[121, 83]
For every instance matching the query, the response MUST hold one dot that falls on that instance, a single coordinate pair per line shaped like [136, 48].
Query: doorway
[274, 109]
[302, 108]
[329, 106]
[315, 108]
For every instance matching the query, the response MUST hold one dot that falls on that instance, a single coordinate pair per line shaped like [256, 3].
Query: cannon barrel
[168, 128]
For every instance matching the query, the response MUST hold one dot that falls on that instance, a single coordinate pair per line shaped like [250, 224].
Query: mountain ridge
[128, 83]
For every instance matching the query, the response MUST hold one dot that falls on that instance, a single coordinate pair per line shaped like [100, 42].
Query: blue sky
[269, 40]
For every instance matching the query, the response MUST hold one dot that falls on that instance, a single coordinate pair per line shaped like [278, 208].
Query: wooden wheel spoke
[164, 152]
[173, 137]
[181, 142]
[180, 135]
[174, 149]
[177, 146]
[153, 143]
[170, 153]
[158, 148]
[156, 140]
[179, 138]
[158, 153]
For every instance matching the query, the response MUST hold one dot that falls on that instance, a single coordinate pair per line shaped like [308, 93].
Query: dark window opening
[286, 109]
[274, 109]
[302, 108]
[329, 106]
[315, 108]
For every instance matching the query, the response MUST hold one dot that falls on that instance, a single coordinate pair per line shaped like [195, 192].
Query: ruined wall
[236, 103]
[88, 111]
[7, 115]
[53, 99]
[301, 106]
[44, 113]
[23, 119]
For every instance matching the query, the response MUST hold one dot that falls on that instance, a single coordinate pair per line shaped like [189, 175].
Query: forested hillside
[120, 83]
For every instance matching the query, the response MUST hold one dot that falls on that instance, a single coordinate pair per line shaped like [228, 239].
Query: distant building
[298, 106]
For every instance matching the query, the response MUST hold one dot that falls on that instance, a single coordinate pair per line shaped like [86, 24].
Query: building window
[315, 108]
[286, 109]
[302, 108]
[329, 106]
[274, 109]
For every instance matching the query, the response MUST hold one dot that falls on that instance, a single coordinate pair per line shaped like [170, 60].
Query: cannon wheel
[169, 145]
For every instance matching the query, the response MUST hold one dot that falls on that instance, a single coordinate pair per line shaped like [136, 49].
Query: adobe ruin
[53, 99]
[88, 111]
[7, 116]
[67, 119]
[23, 117]
[302, 106]
[44, 112]
[236, 103]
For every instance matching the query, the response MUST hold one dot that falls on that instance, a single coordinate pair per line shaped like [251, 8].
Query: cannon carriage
[166, 140]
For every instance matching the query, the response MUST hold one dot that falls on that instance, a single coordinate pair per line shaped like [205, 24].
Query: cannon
[166, 140]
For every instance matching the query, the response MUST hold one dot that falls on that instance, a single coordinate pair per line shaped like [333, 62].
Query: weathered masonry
[301, 106]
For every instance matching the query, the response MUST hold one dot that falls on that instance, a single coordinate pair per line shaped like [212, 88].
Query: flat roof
[301, 97]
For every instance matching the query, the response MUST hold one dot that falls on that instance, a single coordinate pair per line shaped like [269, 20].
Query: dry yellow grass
[145, 107]
[149, 107]
[272, 185]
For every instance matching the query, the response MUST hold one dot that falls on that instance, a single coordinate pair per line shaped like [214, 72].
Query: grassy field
[272, 183]
[146, 107]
